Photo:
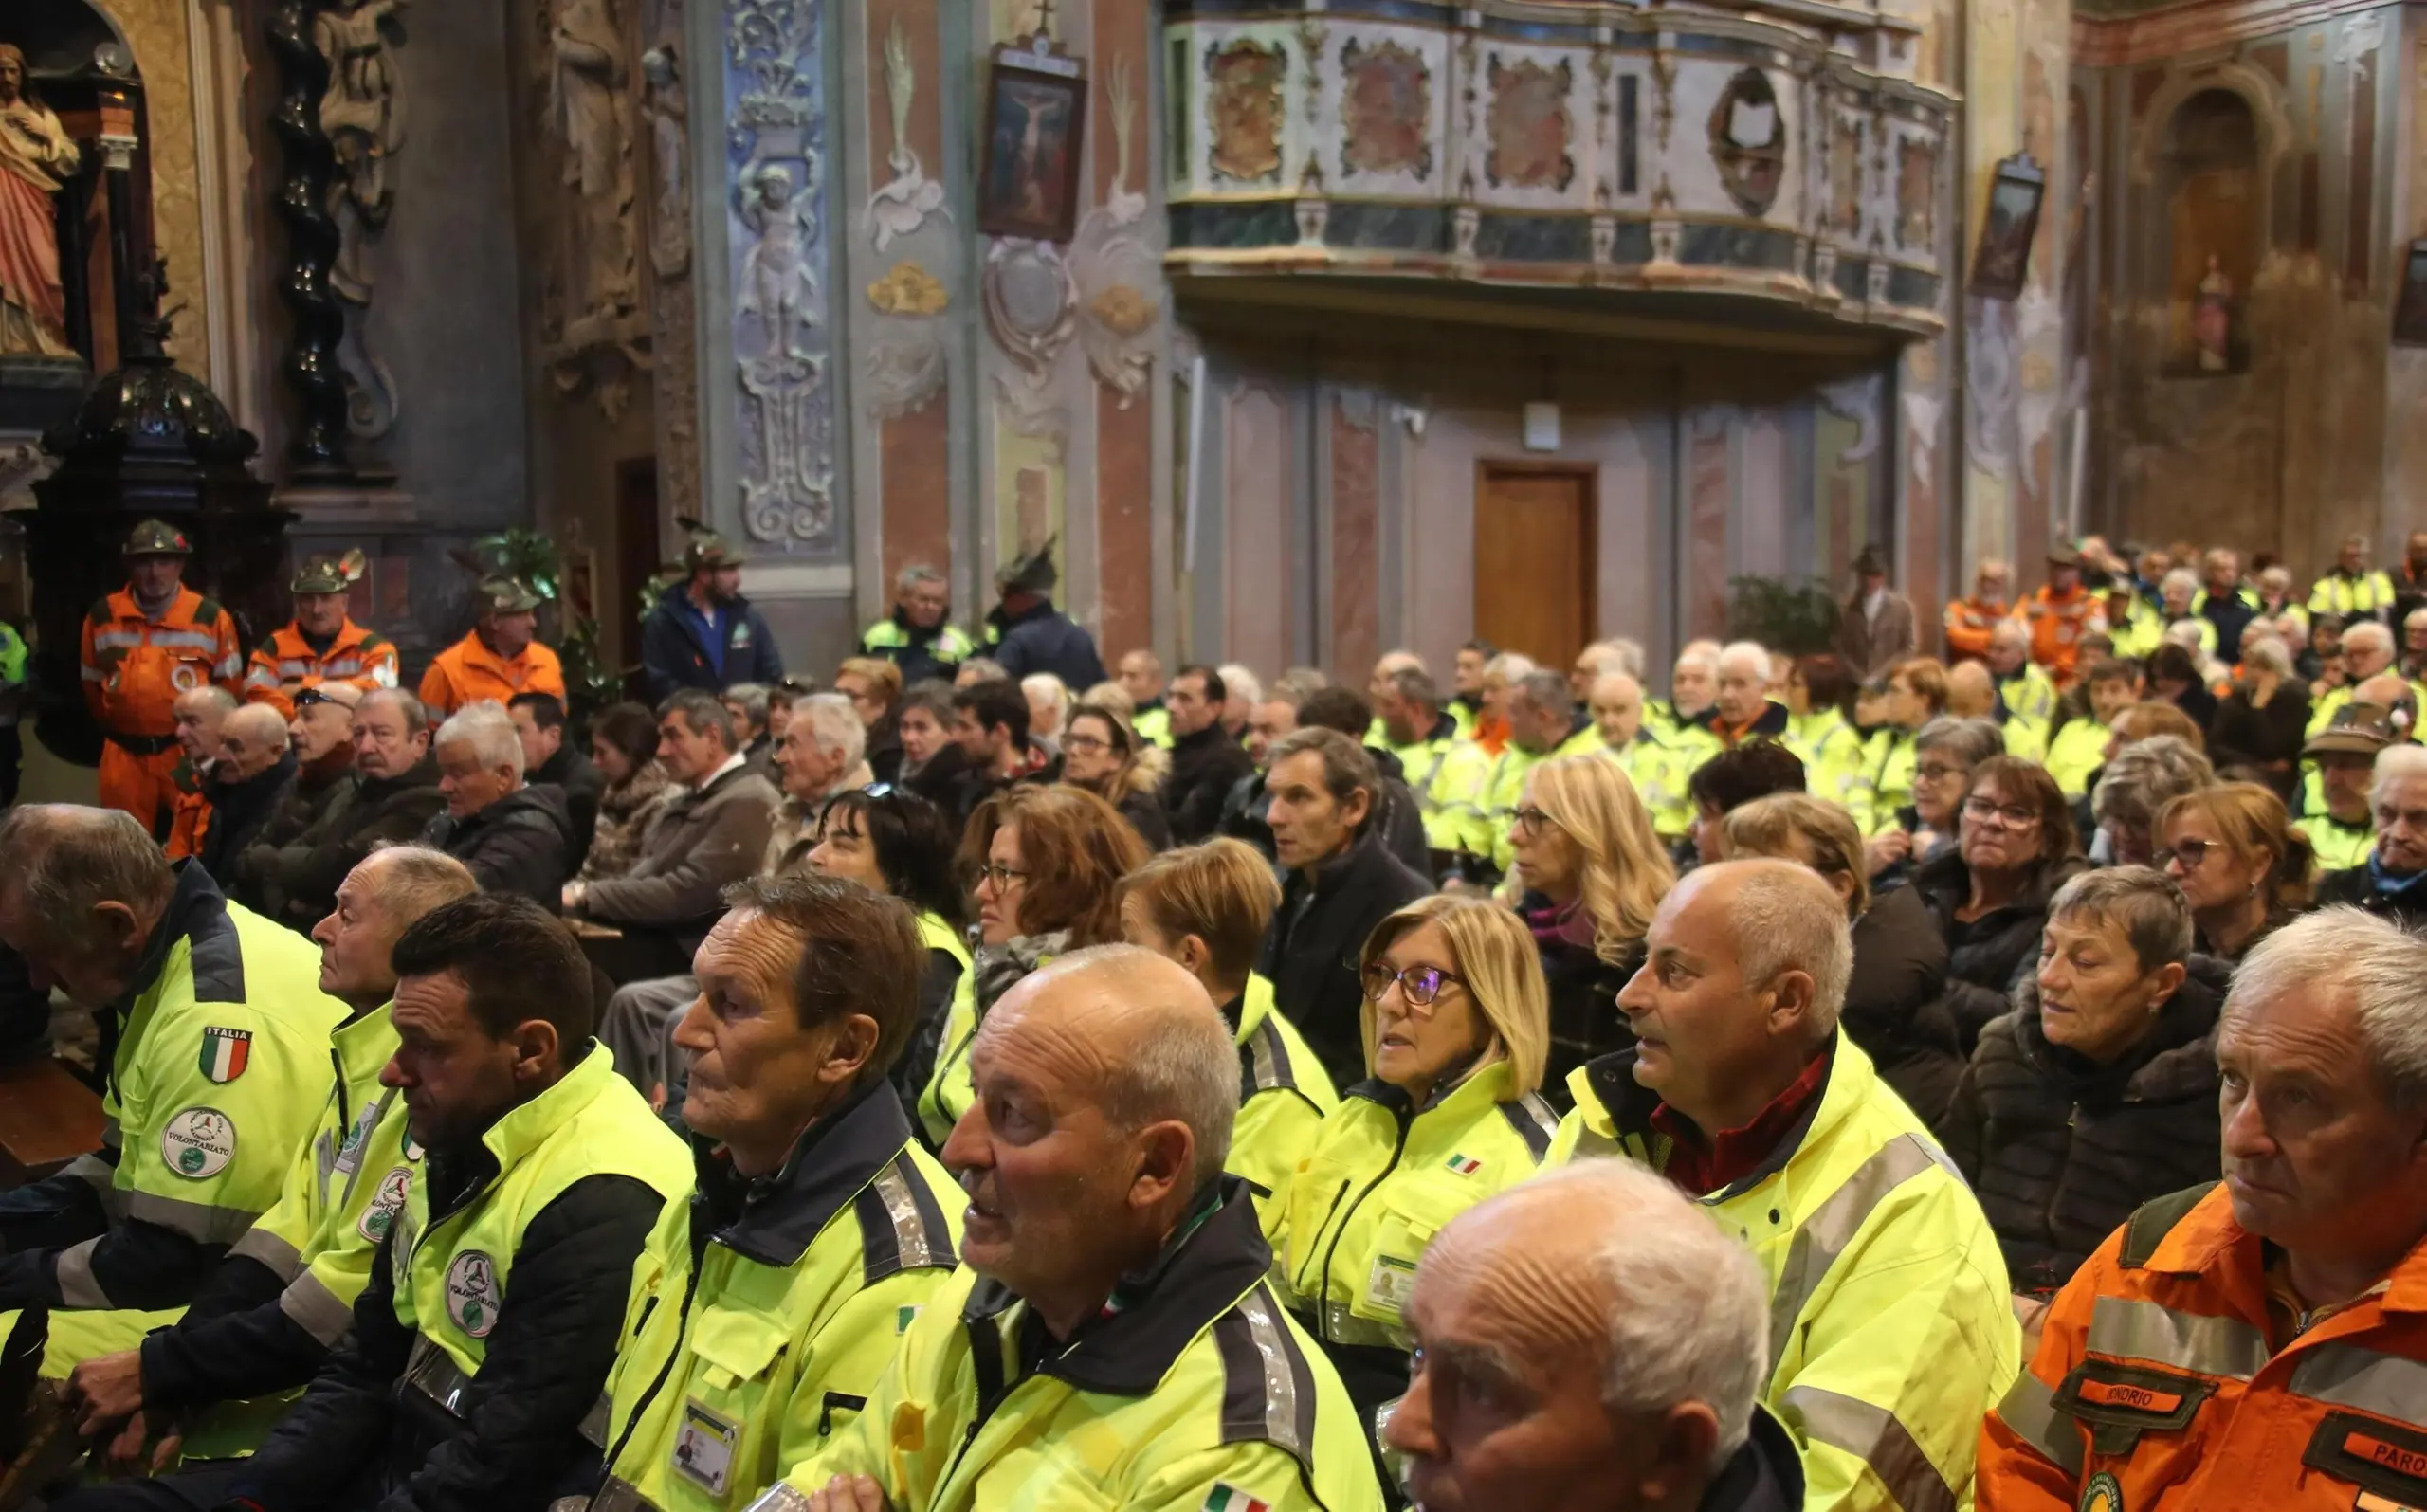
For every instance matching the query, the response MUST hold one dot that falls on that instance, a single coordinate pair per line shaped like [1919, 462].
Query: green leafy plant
[1796, 617]
[589, 684]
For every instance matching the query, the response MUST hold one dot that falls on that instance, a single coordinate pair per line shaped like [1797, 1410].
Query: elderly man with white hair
[821, 757]
[1621, 1338]
[1246, 690]
[1694, 684]
[1741, 708]
[1111, 1338]
[2392, 879]
[1890, 1328]
[2367, 650]
[253, 768]
[1048, 704]
[2255, 1343]
[516, 837]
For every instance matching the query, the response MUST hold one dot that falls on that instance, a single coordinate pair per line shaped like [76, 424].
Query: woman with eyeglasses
[1207, 908]
[1049, 862]
[1455, 1023]
[2142, 779]
[2233, 852]
[1945, 752]
[1990, 893]
[1102, 754]
[623, 744]
[2098, 1091]
[1592, 873]
[895, 841]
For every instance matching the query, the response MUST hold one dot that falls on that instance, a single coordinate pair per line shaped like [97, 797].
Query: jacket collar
[1766, 1475]
[421, 773]
[526, 1128]
[1200, 1273]
[1628, 1105]
[774, 1219]
[196, 905]
[2176, 1059]
[1334, 872]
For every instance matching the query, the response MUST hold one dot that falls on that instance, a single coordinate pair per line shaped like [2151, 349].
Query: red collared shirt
[1704, 1167]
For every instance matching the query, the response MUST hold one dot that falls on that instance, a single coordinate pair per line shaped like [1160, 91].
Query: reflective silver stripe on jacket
[779, 1497]
[2365, 1380]
[1823, 1236]
[78, 1286]
[619, 1495]
[199, 1221]
[593, 1423]
[2129, 1328]
[1874, 1435]
[901, 1205]
[1340, 1326]
[282, 1258]
[433, 1373]
[316, 1310]
[2030, 1410]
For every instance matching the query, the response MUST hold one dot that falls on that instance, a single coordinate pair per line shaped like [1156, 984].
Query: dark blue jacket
[674, 651]
[1046, 640]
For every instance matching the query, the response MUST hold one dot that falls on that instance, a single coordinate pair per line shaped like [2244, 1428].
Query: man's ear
[1790, 1001]
[535, 1047]
[853, 1045]
[114, 923]
[1166, 1160]
[1683, 1439]
[1355, 807]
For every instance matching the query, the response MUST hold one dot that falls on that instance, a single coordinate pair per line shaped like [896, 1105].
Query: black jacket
[239, 811]
[1242, 814]
[1311, 947]
[583, 784]
[363, 1438]
[1585, 1020]
[1988, 957]
[2060, 1150]
[1043, 639]
[674, 648]
[2358, 888]
[520, 844]
[2242, 735]
[1145, 813]
[1398, 818]
[1895, 1003]
[369, 812]
[1205, 767]
[1766, 1475]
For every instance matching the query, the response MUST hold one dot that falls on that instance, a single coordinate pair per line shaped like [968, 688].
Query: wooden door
[1535, 560]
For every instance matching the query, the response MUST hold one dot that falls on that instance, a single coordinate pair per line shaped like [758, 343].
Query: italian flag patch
[1465, 1165]
[225, 1052]
[1228, 1498]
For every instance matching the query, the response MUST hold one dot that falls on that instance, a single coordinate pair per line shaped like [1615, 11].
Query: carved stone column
[319, 453]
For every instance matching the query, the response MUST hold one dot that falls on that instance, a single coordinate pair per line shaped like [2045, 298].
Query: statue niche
[2210, 176]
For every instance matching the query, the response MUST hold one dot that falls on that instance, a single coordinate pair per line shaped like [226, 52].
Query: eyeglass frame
[1531, 818]
[1379, 974]
[1001, 876]
[2163, 857]
[1978, 807]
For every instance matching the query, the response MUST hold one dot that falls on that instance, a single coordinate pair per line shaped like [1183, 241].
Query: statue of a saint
[2212, 318]
[35, 156]
[589, 78]
[364, 118]
[669, 136]
[780, 285]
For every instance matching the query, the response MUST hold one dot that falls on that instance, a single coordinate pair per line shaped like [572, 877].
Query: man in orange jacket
[1971, 621]
[2260, 1344]
[500, 659]
[142, 645]
[322, 643]
[2059, 615]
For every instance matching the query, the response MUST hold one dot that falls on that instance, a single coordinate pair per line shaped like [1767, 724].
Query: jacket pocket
[736, 1346]
[1411, 1213]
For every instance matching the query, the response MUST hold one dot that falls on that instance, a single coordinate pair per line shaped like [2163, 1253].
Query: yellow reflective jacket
[2344, 595]
[1891, 757]
[1284, 1095]
[1506, 788]
[1660, 761]
[2340, 847]
[762, 1312]
[1192, 1390]
[1835, 763]
[946, 1093]
[2079, 749]
[1892, 1325]
[2031, 695]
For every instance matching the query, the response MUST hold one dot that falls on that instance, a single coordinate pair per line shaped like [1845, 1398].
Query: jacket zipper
[681, 1333]
[2048, 1216]
[1323, 1312]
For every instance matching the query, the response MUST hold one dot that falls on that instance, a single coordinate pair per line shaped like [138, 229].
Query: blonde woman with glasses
[1456, 1027]
[1592, 872]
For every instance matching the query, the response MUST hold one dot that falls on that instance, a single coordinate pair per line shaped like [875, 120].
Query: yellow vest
[1835, 766]
[1284, 1095]
[947, 1094]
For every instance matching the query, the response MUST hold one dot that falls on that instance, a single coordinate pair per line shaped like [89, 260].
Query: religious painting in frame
[1036, 112]
[2003, 261]
[1386, 110]
[1243, 108]
[1529, 125]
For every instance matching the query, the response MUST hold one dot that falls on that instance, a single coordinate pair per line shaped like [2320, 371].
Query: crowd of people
[1860, 1078]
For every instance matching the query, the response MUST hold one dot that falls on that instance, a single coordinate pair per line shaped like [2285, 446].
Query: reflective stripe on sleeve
[228, 666]
[1874, 1435]
[433, 1373]
[261, 677]
[78, 1286]
[284, 1260]
[2365, 1380]
[2031, 1412]
[780, 1497]
[94, 1172]
[593, 1423]
[316, 1310]
[2130, 1328]
[1823, 1236]
[199, 1221]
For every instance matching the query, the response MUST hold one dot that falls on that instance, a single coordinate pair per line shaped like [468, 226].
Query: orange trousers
[143, 786]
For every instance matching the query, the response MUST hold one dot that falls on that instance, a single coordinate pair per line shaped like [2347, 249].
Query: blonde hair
[1221, 891]
[1627, 871]
[1799, 826]
[1496, 958]
[2255, 823]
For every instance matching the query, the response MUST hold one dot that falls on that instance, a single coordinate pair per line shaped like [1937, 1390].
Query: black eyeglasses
[2190, 853]
[1421, 984]
[306, 697]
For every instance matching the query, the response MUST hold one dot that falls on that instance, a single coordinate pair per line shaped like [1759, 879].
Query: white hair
[1617, 654]
[2393, 763]
[1240, 681]
[2185, 633]
[1187, 1069]
[2267, 653]
[917, 573]
[833, 724]
[2381, 965]
[1785, 919]
[2183, 578]
[1687, 1307]
[1510, 667]
[1702, 654]
[488, 730]
[2370, 632]
[1747, 655]
[1047, 689]
[2008, 629]
[2277, 574]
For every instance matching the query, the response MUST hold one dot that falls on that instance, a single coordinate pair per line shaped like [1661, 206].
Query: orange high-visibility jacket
[287, 662]
[2160, 1384]
[134, 669]
[2057, 624]
[1969, 625]
[467, 673]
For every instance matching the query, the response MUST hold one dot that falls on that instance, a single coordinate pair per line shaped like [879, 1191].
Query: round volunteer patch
[2103, 1494]
[472, 1293]
[185, 677]
[385, 1204]
[199, 1143]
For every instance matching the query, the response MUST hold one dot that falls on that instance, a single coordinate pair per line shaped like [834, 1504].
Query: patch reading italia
[199, 1143]
[2103, 1494]
[225, 1052]
[473, 1294]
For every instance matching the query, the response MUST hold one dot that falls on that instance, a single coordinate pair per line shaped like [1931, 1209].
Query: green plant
[590, 684]
[1798, 617]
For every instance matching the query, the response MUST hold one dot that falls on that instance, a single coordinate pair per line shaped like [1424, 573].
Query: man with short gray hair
[1543, 724]
[2254, 1342]
[1103, 1246]
[390, 799]
[917, 636]
[1891, 1323]
[1622, 1338]
[516, 836]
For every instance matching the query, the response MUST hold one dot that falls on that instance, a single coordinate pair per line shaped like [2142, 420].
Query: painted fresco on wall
[1916, 192]
[1748, 141]
[1845, 174]
[1036, 111]
[1243, 108]
[1529, 125]
[2213, 230]
[1386, 110]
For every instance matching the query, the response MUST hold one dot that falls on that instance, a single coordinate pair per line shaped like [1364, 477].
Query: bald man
[1891, 1332]
[1619, 1337]
[252, 769]
[1104, 1248]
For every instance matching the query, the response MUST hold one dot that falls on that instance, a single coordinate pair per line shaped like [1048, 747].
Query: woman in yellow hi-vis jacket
[1456, 1027]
